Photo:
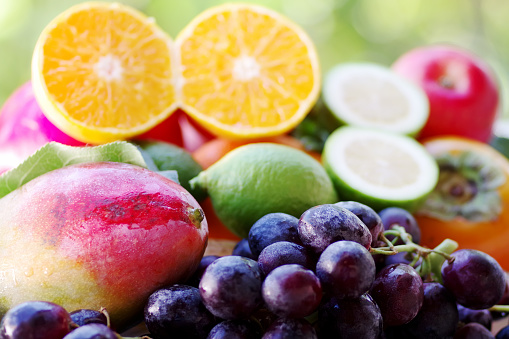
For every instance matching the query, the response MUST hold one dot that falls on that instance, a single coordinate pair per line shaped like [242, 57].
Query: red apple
[462, 90]
[98, 235]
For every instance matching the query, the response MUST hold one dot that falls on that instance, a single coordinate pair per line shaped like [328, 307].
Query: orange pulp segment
[246, 71]
[103, 72]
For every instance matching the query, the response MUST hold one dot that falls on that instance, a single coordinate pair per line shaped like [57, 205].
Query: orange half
[246, 71]
[103, 72]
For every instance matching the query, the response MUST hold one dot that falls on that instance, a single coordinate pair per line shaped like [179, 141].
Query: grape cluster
[339, 271]
[47, 320]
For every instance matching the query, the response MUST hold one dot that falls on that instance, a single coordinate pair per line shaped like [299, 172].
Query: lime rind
[404, 109]
[260, 178]
[351, 185]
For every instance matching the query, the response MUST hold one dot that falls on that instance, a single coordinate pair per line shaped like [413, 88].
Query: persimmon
[470, 203]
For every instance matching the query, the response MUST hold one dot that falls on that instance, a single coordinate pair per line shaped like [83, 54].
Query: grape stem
[499, 308]
[107, 315]
[432, 258]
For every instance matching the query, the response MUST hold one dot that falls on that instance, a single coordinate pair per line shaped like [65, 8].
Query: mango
[95, 235]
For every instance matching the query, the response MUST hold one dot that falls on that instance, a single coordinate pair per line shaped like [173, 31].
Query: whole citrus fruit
[261, 178]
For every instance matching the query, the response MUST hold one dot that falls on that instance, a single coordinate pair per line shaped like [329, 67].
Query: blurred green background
[343, 30]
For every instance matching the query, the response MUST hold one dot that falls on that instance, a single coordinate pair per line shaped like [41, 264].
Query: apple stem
[446, 82]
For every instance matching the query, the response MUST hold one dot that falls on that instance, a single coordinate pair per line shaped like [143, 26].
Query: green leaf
[54, 155]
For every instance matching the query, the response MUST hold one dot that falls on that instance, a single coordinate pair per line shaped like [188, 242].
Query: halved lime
[371, 95]
[379, 168]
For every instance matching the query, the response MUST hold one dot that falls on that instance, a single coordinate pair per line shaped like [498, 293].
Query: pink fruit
[24, 128]
[462, 90]
[98, 235]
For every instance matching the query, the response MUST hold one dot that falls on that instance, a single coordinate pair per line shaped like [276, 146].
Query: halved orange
[103, 72]
[246, 71]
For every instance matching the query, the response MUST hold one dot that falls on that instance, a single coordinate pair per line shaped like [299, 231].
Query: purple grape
[282, 253]
[35, 320]
[264, 317]
[346, 269]
[350, 318]
[475, 278]
[398, 216]
[467, 315]
[292, 291]
[322, 225]
[288, 328]
[368, 216]
[231, 287]
[503, 333]
[92, 331]
[194, 280]
[85, 316]
[177, 311]
[438, 317]
[473, 331]
[270, 228]
[236, 329]
[243, 249]
[398, 291]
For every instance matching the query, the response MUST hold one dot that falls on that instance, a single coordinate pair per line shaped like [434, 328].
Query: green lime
[378, 168]
[260, 178]
[372, 95]
[167, 156]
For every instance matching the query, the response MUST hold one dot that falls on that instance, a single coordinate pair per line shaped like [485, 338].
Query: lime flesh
[379, 169]
[371, 95]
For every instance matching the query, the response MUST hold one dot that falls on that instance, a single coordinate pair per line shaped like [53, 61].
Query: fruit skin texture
[35, 320]
[437, 318]
[24, 128]
[487, 236]
[350, 318]
[476, 279]
[178, 311]
[462, 90]
[398, 291]
[231, 287]
[256, 179]
[209, 152]
[98, 235]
